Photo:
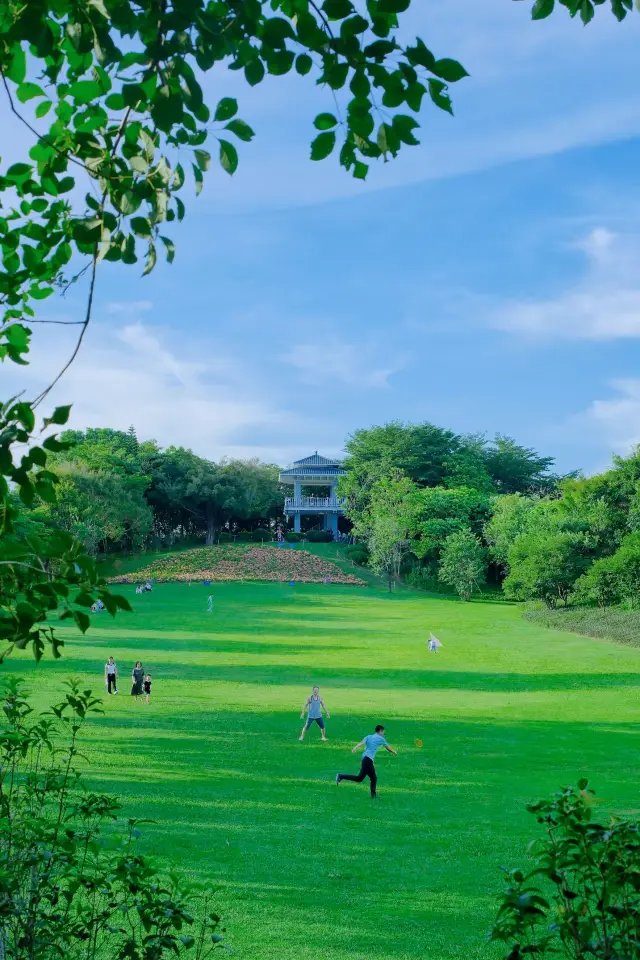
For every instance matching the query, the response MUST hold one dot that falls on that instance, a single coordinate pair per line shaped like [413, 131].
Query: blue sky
[488, 281]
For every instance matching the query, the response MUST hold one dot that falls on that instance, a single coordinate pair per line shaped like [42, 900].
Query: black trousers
[367, 769]
[111, 681]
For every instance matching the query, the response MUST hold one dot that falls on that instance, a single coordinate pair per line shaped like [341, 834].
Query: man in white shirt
[371, 745]
[111, 675]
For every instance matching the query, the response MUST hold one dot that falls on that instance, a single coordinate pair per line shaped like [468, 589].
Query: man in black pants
[371, 745]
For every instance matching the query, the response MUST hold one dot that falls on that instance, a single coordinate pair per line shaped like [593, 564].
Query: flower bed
[242, 562]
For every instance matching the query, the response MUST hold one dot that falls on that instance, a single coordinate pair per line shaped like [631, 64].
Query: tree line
[438, 508]
[118, 493]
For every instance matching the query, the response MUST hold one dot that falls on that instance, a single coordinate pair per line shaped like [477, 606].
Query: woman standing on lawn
[137, 676]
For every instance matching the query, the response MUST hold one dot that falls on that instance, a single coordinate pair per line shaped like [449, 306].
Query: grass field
[507, 711]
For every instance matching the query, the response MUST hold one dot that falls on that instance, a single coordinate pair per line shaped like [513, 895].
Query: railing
[314, 503]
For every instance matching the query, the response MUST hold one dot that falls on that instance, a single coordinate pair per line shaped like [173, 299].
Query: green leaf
[241, 130]
[337, 9]
[141, 226]
[82, 620]
[323, 145]
[437, 92]
[43, 108]
[85, 91]
[60, 416]
[228, 157]
[254, 72]
[26, 91]
[227, 108]
[17, 69]
[170, 247]
[360, 170]
[449, 70]
[542, 9]
[203, 159]
[18, 171]
[325, 121]
[583, 783]
[303, 64]
[151, 260]
[115, 101]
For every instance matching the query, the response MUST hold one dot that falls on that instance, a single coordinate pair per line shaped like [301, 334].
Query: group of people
[314, 706]
[144, 587]
[140, 682]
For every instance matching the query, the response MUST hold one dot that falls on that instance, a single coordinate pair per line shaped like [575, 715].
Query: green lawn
[507, 711]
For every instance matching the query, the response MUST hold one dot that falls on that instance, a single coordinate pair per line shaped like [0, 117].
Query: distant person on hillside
[210, 603]
[111, 675]
[139, 588]
[97, 607]
[147, 688]
[434, 643]
[147, 586]
[371, 745]
[137, 676]
[313, 707]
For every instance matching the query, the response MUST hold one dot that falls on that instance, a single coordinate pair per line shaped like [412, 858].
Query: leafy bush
[462, 563]
[225, 538]
[358, 553]
[614, 579]
[292, 537]
[545, 566]
[581, 897]
[260, 534]
[320, 536]
[422, 579]
[68, 887]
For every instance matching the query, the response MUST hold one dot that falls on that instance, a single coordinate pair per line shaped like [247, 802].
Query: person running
[313, 706]
[111, 675]
[137, 676]
[147, 688]
[371, 745]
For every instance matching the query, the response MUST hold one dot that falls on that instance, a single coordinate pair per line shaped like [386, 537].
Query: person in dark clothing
[371, 745]
[137, 676]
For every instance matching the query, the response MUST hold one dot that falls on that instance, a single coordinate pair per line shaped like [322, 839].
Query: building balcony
[314, 504]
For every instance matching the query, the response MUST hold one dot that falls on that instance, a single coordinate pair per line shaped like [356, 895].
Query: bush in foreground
[581, 896]
[69, 885]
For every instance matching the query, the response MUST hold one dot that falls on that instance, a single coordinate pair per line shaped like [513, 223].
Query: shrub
[320, 536]
[292, 537]
[358, 553]
[545, 566]
[422, 578]
[614, 579]
[260, 534]
[581, 897]
[225, 537]
[462, 563]
[68, 888]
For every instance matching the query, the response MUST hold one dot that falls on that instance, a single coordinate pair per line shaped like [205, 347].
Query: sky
[487, 281]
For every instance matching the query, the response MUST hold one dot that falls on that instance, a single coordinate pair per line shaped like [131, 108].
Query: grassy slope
[507, 710]
[622, 626]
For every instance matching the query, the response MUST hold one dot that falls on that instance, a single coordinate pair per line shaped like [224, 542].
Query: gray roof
[315, 460]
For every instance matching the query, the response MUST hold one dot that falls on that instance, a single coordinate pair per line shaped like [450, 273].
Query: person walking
[111, 675]
[371, 745]
[210, 603]
[137, 676]
[147, 688]
[313, 707]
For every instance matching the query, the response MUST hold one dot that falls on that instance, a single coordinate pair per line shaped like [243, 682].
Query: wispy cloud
[618, 417]
[603, 305]
[138, 374]
[354, 365]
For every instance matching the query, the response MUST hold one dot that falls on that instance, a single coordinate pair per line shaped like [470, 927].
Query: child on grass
[147, 688]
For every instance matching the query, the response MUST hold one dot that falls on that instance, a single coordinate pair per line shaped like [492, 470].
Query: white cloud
[351, 364]
[619, 416]
[603, 305]
[133, 374]
[132, 308]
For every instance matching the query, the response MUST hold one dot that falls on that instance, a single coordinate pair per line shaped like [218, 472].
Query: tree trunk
[211, 526]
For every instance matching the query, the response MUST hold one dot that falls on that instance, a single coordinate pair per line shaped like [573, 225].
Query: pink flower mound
[243, 562]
